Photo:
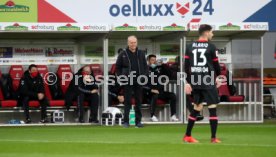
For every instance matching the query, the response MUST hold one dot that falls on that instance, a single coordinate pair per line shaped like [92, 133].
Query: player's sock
[191, 122]
[213, 119]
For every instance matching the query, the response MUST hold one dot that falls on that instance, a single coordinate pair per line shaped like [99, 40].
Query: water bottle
[132, 116]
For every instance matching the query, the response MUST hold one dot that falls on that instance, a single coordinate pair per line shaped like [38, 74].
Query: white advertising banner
[26, 55]
[142, 15]
[245, 26]
[44, 27]
[156, 11]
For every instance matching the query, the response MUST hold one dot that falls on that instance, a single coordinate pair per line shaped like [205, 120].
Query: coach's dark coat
[123, 65]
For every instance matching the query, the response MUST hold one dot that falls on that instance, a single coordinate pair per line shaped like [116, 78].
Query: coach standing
[132, 61]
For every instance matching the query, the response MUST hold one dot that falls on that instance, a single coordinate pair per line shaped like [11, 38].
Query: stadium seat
[43, 71]
[224, 89]
[170, 64]
[112, 69]
[16, 72]
[132, 101]
[64, 87]
[6, 103]
[34, 103]
[85, 103]
[269, 81]
[97, 69]
[65, 70]
[161, 102]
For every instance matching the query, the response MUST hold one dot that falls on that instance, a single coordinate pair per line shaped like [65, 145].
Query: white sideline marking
[239, 145]
[106, 142]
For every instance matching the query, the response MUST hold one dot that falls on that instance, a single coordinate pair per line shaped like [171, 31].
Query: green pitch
[251, 140]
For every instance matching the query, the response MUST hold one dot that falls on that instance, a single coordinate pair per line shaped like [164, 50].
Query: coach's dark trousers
[43, 106]
[93, 100]
[136, 90]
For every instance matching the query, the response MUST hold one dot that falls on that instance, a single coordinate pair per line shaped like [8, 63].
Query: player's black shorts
[210, 96]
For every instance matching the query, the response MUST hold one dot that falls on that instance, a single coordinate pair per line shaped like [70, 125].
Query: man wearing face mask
[87, 90]
[156, 90]
[32, 88]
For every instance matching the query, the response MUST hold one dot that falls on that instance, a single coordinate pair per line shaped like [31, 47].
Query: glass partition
[242, 59]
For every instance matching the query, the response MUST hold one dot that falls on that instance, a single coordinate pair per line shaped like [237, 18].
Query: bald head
[132, 37]
[132, 43]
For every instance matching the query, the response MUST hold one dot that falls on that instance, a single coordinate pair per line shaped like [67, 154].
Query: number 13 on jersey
[199, 57]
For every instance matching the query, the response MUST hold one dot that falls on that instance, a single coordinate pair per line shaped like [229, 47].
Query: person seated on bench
[115, 92]
[32, 88]
[88, 91]
[175, 68]
[71, 95]
[157, 90]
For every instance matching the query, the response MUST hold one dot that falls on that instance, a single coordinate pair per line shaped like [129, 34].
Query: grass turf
[248, 140]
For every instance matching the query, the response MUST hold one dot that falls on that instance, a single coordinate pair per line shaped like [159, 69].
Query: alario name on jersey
[200, 45]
